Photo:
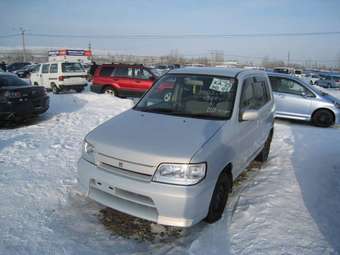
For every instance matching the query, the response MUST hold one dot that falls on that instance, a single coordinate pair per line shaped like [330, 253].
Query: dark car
[17, 65]
[123, 79]
[25, 72]
[20, 100]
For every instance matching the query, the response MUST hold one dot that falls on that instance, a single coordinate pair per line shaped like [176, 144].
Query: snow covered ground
[290, 205]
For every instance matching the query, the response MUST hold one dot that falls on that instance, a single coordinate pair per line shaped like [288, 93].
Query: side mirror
[249, 115]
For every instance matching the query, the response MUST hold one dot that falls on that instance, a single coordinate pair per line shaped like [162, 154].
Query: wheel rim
[109, 92]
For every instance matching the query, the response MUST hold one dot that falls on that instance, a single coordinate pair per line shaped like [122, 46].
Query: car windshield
[72, 68]
[196, 96]
[11, 81]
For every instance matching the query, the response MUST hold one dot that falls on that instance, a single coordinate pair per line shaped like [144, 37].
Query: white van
[59, 76]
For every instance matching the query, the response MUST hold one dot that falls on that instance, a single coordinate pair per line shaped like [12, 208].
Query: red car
[122, 79]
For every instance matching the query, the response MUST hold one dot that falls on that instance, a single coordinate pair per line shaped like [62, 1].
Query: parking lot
[289, 205]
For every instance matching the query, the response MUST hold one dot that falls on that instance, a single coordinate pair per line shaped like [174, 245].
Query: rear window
[106, 71]
[72, 68]
[11, 81]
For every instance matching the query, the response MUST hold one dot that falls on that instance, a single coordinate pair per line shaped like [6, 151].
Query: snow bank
[289, 206]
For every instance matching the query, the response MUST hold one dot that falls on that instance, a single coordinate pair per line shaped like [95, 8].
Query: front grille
[124, 172]
[138, 171]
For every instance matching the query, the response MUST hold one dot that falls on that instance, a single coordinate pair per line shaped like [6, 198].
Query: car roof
[7, 74]
[218, 71]
[121, 64]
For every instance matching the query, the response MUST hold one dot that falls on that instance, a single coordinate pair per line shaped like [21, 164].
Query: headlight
[88, 152]
[180, 174]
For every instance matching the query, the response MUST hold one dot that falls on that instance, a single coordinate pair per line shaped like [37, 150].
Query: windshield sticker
[221, 85]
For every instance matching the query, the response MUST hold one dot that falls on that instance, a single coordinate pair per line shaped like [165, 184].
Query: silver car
[296, 99]
[172, 159]
[329, 81]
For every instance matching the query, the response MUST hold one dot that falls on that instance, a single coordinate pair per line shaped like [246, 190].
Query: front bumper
[25, 107]
[72, 86]
[173, 205]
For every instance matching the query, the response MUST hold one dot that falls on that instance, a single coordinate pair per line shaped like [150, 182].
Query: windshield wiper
[155, 109]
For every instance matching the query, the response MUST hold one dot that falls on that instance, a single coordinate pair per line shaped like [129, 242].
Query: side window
[283, 85]
[131, 72]
[36, 69]
[122, 71]
[143, 74]
[106, 71]
[261, 93]
[54, 68]
[45, 68]
[247, 96]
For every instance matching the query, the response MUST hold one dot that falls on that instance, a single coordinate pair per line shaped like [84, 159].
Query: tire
[263, 155]
[323, 118]
[55, 89]
[79, 90]
[110, 91]
[219, 198]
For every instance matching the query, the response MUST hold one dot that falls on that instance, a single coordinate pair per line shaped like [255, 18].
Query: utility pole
[89, 47]
[23, 43]
[288, 58]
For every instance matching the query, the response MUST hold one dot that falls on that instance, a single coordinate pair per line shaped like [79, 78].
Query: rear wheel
[263, 155]
[110, 91]
[323, 118]
[55, 89]
[219, 198]
[79, 90]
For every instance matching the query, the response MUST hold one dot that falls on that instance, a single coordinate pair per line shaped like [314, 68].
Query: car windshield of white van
[72, 68]
[196, 96]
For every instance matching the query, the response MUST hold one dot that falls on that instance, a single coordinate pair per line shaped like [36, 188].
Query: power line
[9, 35]
[182, 36]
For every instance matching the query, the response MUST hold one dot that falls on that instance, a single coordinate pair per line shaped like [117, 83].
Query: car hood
[331, 98]
[142, 140]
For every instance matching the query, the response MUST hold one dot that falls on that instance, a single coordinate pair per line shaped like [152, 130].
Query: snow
[290, 205]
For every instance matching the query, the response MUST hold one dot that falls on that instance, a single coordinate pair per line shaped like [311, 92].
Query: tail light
[61, 78]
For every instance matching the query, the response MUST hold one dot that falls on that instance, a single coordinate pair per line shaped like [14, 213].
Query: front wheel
[263, 155]
[110, 91]
[219, 198]
[323, 118]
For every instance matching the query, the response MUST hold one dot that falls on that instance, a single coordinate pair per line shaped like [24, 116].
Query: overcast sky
[112, 17]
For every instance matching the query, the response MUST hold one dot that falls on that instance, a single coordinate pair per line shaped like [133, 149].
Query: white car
[59, 76]
[173, 161]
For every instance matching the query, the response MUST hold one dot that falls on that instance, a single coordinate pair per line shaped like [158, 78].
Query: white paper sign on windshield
[221, 85]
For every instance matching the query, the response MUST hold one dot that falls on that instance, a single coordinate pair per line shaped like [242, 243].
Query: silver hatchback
[296, 99]
[172, 158]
